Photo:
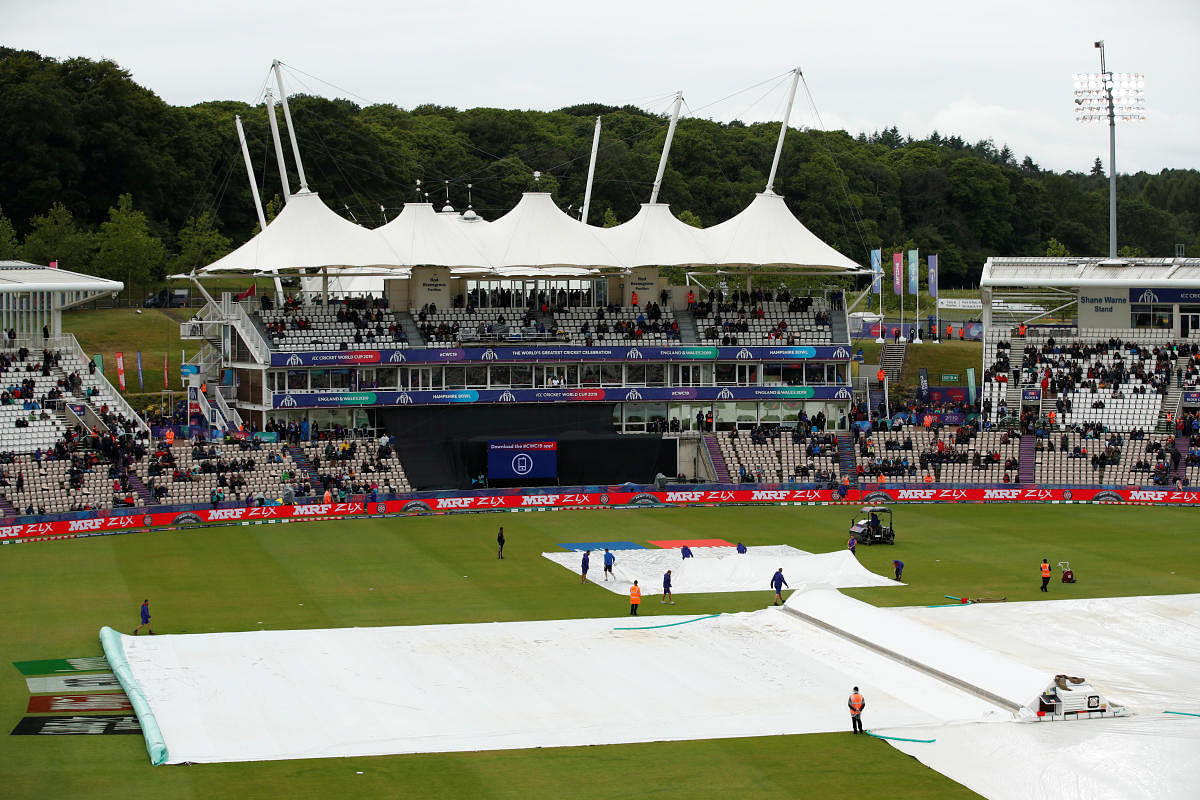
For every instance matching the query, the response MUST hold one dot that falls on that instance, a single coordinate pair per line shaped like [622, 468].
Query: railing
[250, 333]
[230, 416]
[68, 341]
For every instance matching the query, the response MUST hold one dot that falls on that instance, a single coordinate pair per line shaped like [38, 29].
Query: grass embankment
[155, 332]
[58, 594]
[946, 357]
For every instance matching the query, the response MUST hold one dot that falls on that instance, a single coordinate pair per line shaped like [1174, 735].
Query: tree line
[100, 174]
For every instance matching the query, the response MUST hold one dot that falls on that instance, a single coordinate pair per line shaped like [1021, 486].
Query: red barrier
[870, 494]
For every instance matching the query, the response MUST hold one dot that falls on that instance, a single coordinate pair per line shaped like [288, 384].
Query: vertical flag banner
[140, 386]
[121, 370]
[876, 271]
[98, 360]
[933, 276]
[898, 272]
[165, 384]
[913, 260]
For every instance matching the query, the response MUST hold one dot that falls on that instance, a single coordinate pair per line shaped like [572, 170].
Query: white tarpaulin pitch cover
[374, 691]
[723, 569]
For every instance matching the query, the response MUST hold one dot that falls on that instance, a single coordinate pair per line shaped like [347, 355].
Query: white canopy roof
[421, 237]
[21, 276]
[308, 234]
[767, 234]
[536, 233]
[656, 237]
[533, 239]
[1070, 273]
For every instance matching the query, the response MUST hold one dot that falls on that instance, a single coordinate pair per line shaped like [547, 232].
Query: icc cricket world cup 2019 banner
[121, 371]
[898, 272]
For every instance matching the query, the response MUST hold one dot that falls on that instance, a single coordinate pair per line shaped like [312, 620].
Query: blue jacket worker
[778, 582]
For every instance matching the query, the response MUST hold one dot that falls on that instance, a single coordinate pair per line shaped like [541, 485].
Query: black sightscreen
[442, 448]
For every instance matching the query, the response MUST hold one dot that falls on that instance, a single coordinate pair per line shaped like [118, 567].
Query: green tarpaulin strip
[114, 650]
[1182, 713]
[669, 625]
[899, 739]
[56, 666]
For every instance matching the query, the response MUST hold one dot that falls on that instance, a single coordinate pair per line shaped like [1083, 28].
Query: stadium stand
[304, 327]
[771, 454]
[650, 324]
[764, 318]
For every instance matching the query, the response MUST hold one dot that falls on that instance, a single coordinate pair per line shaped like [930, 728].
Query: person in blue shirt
[583, 568]
[145, 614]
[899, 567]
[741, 548]
[609, 560]
[667, 589]
[685, 551]
[778, 582]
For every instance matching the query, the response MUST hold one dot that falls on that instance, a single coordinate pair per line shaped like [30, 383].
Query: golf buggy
[874, 526]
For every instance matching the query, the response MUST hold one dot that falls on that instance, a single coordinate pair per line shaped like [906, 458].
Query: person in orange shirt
[856, 704]
[635, 599]
[328, 497]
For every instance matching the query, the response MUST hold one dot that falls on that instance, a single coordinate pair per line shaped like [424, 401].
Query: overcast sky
[999, 70]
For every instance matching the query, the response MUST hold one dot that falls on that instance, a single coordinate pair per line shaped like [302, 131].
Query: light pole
[1111, 96]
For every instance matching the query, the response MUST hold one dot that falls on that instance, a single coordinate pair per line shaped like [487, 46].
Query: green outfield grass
[443, 570]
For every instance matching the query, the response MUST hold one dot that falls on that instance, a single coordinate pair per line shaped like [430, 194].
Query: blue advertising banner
[511, 459]
[622, 395]
[1031, 395]
[1191, 398]
[485, 355]
[876, 271]
[913, 264]
[933, 276]
[1157, 295]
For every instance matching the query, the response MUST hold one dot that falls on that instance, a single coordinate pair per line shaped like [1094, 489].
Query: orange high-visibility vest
[856, 703]
[1045, 570]
[635, 595]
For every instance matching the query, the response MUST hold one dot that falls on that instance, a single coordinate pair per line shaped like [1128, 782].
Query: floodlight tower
[1111, 96]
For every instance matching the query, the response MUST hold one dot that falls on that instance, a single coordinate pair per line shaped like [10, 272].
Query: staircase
[7, 509]
[688, 333]
[1028, 458]
[720, 468]
[838, 331]
[409, 326]
[301, 461]
[846, 463]
[1170, 405]
[1181, 447]
[892, 359]
[140, 489]
[875, 398]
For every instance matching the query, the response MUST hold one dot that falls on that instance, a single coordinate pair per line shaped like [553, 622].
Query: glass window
[591, 375]
[747, 413]
[477, 377]
[726, 374]
[656, 375]
[340, 378]
[635, 375]
[318, 379]
[500, 376]
[456, 377]
[297, 379]
[769, 412]
[725, 416]
[522, 375]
